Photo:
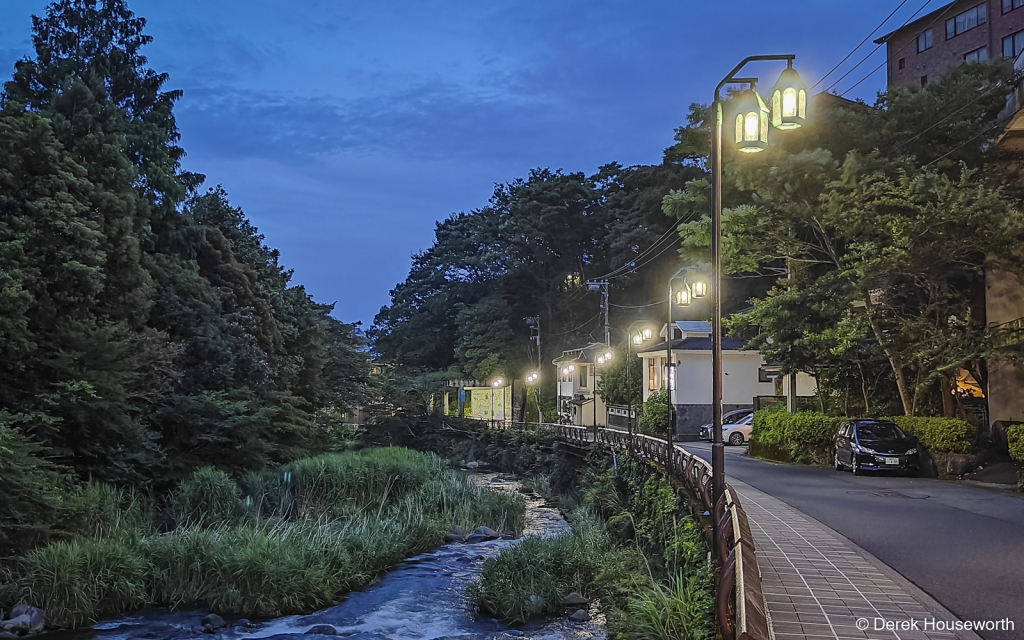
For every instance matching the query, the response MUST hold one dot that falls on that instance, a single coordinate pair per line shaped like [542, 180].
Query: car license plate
[887, 460]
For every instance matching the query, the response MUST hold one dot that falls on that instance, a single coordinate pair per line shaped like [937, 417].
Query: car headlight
[862, 449]
[911, 451]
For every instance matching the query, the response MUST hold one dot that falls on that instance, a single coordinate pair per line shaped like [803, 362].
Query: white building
[745, 375]
[578, 372]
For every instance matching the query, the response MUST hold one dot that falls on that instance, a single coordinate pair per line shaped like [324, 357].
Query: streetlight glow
[498, 382]
[752, 122]
[700, 289]
[683, 297]
[789, 100]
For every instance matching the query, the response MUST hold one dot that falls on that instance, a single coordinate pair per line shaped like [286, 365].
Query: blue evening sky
[345, 129]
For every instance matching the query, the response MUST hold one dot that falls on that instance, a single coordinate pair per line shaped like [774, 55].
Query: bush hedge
[804, 437]
[808, 437]
[939, 435]
[1015, 438]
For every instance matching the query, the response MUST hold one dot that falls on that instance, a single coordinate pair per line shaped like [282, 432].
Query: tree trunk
[948, 408]
[895, 361]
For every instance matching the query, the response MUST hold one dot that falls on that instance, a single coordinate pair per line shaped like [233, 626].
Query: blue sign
[462, 396]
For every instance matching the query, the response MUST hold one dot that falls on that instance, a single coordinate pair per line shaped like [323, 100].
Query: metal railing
[739, 596]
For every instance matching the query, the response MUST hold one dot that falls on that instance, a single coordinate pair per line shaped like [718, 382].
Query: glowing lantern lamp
[789, 100]
[683, 297]
[751, 122]
[700, 289]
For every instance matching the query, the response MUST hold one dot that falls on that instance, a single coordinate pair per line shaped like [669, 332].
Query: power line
[576, 328]
[963, 144]
[931, 24]
[877, 47]
[639, 306]
[873, 31]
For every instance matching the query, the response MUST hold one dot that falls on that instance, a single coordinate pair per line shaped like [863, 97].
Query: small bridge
[740, 601]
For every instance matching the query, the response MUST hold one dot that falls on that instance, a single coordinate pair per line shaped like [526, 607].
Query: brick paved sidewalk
[817, 584]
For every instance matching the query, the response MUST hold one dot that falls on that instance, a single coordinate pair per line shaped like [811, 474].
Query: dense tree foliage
[882, 222]
[145, 327]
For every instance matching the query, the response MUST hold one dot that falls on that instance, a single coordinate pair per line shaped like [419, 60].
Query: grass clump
[289, 540]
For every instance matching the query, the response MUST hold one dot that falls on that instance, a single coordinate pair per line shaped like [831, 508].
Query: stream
[420, 599]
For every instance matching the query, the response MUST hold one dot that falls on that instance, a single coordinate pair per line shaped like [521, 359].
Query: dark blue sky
[346, 129]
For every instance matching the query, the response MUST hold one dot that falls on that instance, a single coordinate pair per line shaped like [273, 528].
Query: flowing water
[422, 598]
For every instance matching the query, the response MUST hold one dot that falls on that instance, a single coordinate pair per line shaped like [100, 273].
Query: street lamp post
[601, 360]
[530, 379]
[788, 111]
[641, 336]
[682, 297]
[494, 385]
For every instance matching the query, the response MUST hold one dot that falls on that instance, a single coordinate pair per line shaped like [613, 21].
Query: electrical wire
[939, 16]
[877, 47]
[637, 306]
[984, 94]
[963, 144]
[873, 31]
[576, 328]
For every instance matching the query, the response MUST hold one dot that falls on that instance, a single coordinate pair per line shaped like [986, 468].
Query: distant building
[961, 31]
[578, 372]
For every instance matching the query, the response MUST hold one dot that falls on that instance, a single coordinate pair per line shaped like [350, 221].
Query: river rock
[243, 622]
[575, 600]
[472, 465]
[322, 630]
[581, 615]
[213, 621]
[457, 534]
[497, 479]
[474, 538]
[18, 625]
[37, 619]
[488, 534]
[6, 635]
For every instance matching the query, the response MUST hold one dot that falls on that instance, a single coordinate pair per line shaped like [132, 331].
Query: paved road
[963, 545]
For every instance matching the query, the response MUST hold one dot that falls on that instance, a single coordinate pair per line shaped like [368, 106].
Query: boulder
[476, 537]
[575, 600]
[457, 534]
[581, 615]
[960, 463]
[489, 534]
[208, 629]
[36, 616]
[18, 625]
[243, 622]
[472, 465]
[322, 630]
[214, 621]
[7, 635]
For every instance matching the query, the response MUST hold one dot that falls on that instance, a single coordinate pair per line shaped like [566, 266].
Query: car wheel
[736, 439]
[857, 471]
[839, 465]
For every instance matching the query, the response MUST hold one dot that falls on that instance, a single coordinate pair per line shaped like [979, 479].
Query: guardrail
[740, 599]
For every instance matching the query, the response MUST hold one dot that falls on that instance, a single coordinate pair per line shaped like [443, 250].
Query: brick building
[960, 31]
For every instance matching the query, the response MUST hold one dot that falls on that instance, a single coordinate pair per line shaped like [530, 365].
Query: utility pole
[602, 286]
[534, 323]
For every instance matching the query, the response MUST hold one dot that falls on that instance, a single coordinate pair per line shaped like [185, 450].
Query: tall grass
[534, 576]
[678, 610]
[308, 533]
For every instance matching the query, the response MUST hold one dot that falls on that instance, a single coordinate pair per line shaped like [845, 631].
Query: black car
[730, 418]
[875, 445]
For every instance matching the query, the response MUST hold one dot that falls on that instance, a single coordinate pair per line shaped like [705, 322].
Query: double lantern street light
[637, 339]
[497, 382]
[531, 380]
[788, 111]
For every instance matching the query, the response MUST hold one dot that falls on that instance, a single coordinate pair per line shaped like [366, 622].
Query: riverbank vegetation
[287, 540]
[634, 551]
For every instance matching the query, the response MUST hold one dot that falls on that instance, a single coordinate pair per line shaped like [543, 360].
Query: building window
[583, 376]
[903, 63]
[977, 55]
[924, 41]
[1013, 44]
[1010, 5]
[652, 375]
[924, 80]
[965, 21]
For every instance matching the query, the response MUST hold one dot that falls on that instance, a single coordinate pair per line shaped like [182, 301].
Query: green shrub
[807, 437]
[939, 435]
[679, 610]
[209, 497]
[78, 580]
[653, 418]
[1015, 438]
[534, 576]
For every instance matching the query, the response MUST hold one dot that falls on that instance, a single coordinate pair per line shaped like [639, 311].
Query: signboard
[487, 403]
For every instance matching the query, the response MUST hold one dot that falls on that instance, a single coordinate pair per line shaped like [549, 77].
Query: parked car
[730, 418]
[875, 445]
[739, 432]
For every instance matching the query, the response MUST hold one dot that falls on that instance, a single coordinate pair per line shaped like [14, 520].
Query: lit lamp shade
[789, 100]
[751, 122]
[638, 339]
[683, 297]
[700, 289]
[647, 334]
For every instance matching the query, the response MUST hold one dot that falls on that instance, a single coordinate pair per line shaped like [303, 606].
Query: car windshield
[879, 431]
